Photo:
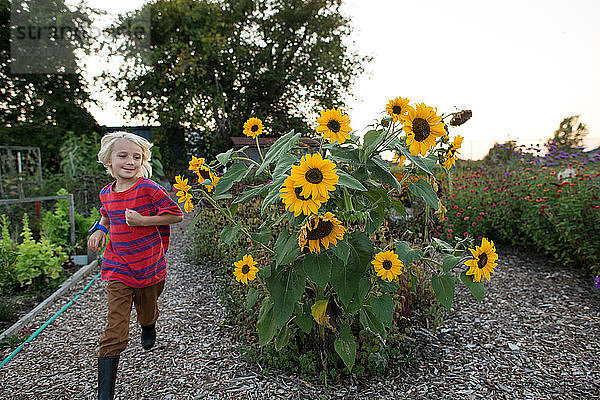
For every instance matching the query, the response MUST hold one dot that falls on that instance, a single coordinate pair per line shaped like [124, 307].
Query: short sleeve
[103, 211]
[164, 204]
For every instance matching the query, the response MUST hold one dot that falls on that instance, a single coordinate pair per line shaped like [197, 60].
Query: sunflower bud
[461, 117]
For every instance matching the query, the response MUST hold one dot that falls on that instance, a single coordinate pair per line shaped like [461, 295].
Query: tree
[569, 135]
[214, 64]
[38, 105]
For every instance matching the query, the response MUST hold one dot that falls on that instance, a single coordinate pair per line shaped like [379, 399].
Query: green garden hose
[30, 338]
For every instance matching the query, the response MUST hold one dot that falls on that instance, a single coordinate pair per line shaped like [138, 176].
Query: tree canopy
[214, 64]
[570, 134]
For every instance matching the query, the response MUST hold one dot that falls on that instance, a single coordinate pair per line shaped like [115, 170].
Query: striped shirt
[135, 255]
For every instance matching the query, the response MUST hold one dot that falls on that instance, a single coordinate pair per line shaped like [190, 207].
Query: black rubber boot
[148, 336]
[107, 376]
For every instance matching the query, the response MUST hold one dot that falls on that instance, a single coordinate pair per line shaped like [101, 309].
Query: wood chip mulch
[535, 336]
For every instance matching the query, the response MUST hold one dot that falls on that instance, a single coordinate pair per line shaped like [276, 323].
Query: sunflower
[387, 265]
[399, 159]
[196, 163]
[253, 127]
[181, 185]
[422, 126]
[245, 270]
[297, 203]
[321, 230]
[483, 262]
[315, 175]
[188, 205]
[452, 154]
[205, 173]
[334, 125]
[397, 109]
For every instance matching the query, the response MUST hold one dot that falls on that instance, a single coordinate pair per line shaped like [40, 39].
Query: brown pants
[120, 298]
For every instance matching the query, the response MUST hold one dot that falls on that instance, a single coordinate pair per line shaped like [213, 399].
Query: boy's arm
[133, 218]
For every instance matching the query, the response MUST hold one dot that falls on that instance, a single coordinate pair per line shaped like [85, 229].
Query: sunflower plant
[324, 273]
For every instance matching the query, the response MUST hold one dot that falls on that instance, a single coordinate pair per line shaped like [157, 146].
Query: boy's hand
[134, 218]
[97, 240]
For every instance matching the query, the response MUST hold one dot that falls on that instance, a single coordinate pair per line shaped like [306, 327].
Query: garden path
[536, 336]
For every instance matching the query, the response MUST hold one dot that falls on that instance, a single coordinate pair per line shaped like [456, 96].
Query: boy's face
[125, 160]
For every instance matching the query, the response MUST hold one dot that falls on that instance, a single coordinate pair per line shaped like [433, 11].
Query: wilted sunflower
[452, 154]
[334, 125]
[315, 175]
[321, 231]
[387, 265]
[253, 127]
[204, 173]
[245, 270]
[196, 163]
[397, 109]
[483, 262]
[297, 203]
[422, 125]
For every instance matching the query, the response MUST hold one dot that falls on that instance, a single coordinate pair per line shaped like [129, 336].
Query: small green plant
[37, 260]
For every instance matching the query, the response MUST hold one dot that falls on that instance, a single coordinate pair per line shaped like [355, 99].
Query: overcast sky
[521, 66]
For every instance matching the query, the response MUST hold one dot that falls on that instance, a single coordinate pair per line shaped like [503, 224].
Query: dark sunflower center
[322, 230]
[387, 265]
[298, 190]
[245, 269]
[421, 129]
[204, 174]
[334, 126]
[314, 175]
[483, 259]
[254, 128]
[396, 110]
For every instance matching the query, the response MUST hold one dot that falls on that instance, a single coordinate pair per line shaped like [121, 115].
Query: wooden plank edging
[72, 280]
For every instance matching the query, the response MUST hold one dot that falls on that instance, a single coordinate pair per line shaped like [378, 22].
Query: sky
[520, 66]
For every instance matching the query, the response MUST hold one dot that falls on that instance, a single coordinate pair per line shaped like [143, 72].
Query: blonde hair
[106, 145]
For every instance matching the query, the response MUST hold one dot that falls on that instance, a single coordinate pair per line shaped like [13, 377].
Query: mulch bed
[535, 336]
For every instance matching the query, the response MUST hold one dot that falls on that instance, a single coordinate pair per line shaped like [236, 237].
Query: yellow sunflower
[297, 203]
[321, 231]
[188, 205]
[483, 262]
[452, 154]
[399, 159]
[334, 125]
[387, 265]
[315, 175]
[397, 109]
[181, 185]
[196, 163]
[253, 127]
[422, 125]
[245, 270]
[205, 173]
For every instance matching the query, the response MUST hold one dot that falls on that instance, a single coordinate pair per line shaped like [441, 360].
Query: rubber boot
[107, 376]
[148, 336]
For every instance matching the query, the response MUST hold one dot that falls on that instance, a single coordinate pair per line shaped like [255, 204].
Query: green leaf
[375, 219]
[383, 308]
[416, 160]
[342, 250]
[286, 248]
[349, 181]
[250, 193]
[345, 346]
[223, 196]
[223, 158]
[359, 296]
[345, 279]
[284, 164]
[399, 207]
[251, 297]
[361, 248]
[263, 236]
[317, 268]
[286, 286]
[406, 255]
[423, 189]
[345, 155]
[266, 271]
[273, 193]
[445, 245]
[450, 262]
[233, 209]
[266, 322]
[283, 338]
[388, 286]
[303, 319]
[476, 288]
[369, 320]
[235, 173]
[443, 287]
[229, 233]
[280, 147]
[379, 168]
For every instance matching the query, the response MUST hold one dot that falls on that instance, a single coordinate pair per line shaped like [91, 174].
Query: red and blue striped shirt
[135, 255]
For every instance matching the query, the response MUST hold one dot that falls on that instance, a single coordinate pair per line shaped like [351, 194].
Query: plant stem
[258, 147]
